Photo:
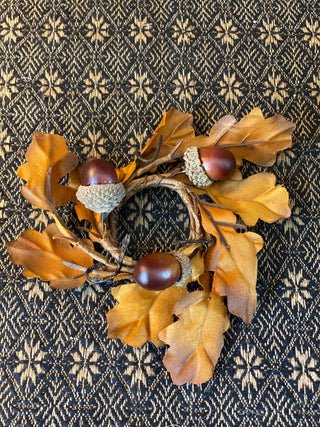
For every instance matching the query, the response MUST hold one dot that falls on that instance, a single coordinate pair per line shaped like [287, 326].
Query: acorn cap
[194, 169]
[101, 197]
[186, 269]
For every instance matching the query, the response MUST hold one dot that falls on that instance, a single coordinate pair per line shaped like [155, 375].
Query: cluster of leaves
[226, 269]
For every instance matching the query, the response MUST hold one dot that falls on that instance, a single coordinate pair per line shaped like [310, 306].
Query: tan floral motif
[294, 222]
[140, 30]
[97, 29]
[51, 84]
[95, 144]
[185, 86]
[141, 211]
[311, 33]
[54, 30]
[96, 86]
[305, 369]
[249, 368]
[276, 88]
[140, 366]
[11, 29]
[140, 86]
[227, 32]
[230, 88]
[84, 363]
[30, 359]
[297, 289]
[183, 31]
[270, 33]
[7, 84]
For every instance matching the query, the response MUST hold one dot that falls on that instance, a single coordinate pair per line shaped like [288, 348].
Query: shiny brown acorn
[157, 271]
[217, 162]
[207, 164]
[100, 189]
[98, 171]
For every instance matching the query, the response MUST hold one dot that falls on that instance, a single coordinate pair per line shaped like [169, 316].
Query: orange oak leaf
[141, 314]
[252, 198]
[260, 138]
[196, 261]
[235, 268]
[126, 172]
[94, 218]
[45, 151]
[196, 339]
[42, 253]
[274, 134]
[174, 126]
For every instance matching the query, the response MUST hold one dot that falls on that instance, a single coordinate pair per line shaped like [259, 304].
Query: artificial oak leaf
[42, 254]
[235, 270]
[252, 198]
[141, 314]
[194, 252]
[126, 172]
[196, 339]
[45, 151]
[275, 134]
[95, 219]
[174, 126]
[218, 215]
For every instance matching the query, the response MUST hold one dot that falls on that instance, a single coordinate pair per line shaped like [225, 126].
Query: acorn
[100, 189]
[208, 164]
[158, 271]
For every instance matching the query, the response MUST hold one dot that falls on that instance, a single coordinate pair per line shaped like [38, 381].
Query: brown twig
[185, 193]
[216, 226]
[155, 162]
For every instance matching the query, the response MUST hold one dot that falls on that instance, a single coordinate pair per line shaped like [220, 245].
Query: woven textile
[101, 73]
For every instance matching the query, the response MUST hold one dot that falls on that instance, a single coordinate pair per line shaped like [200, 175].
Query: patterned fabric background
[101, 73]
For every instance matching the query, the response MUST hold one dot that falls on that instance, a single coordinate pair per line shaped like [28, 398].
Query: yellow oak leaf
[45, 151]
[275, 134]
[42, 254]
[252, 198]
[141, 314]
[126, 172]
[260, 138]
[174, 126]
[196, 339]
[235, 266]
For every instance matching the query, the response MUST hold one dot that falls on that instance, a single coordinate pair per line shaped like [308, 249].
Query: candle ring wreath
[154, 300]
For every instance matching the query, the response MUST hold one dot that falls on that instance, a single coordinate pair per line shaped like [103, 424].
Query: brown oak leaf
[42, 254]
[235, 268]
[45, 151]
[252, 198]
[196, 339]
[141, 314]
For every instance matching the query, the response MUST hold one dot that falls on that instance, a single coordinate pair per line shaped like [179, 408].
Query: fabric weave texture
[101, 73]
